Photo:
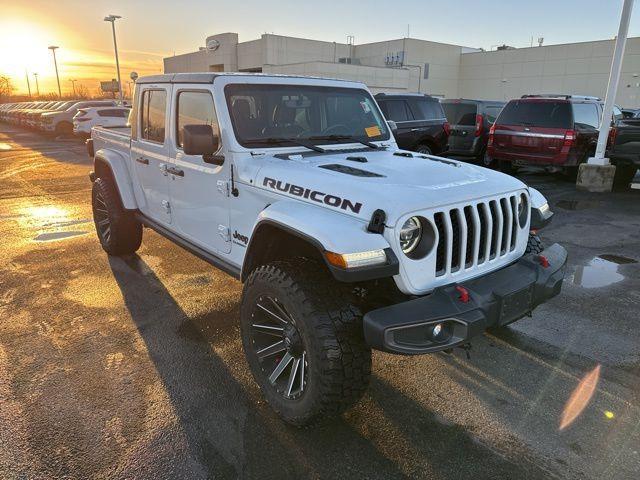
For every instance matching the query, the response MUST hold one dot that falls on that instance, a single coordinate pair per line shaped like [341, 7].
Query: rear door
[149, 152]
[199, 190]
[408, 130]
[586, 119]
[462, 117]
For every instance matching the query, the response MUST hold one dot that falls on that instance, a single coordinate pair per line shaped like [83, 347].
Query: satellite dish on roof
[133, 76]
[213, 45]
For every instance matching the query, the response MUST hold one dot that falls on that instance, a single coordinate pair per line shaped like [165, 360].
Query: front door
[199, 190]
[149, 154]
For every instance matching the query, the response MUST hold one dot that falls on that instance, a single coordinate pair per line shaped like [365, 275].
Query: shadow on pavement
[231, 433]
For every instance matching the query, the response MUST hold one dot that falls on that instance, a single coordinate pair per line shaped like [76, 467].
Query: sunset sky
[151, 30]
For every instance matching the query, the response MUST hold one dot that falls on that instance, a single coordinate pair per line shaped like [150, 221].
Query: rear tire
[424, 149]
[118, 230]
[64, 128]
[299, 304]
[623, 177]
[534, 245]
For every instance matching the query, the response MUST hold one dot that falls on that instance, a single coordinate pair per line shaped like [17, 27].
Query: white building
[411, 65]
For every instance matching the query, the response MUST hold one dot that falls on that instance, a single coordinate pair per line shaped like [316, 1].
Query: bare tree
[6, 87]
[82, 92]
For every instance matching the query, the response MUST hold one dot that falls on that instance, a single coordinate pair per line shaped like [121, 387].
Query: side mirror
[392, 125]
[199, 140]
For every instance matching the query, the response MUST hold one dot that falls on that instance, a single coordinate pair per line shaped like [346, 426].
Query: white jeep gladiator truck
[344, 243]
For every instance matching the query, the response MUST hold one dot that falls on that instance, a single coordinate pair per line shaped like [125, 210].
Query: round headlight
[523, 210]
[410, 234]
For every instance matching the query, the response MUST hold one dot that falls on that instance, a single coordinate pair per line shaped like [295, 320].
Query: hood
[358, 183]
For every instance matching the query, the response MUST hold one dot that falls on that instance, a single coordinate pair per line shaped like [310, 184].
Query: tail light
[492, 130]
[612, 136]
[447, 128]
[569, 137]
[479, 125]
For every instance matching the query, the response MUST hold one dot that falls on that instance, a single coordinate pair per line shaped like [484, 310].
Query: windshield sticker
[373, 131]
[365, 106]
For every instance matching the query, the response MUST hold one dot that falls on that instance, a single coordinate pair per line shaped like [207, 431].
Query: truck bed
[118, 138]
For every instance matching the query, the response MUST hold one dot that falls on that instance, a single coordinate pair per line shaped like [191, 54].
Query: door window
[195, 108]
[396, 110]
[491, 112]
[585, 115]
[424, 109]
[153, 115]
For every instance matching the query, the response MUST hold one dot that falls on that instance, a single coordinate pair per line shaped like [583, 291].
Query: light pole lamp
[55, 63]
[112, 19]
[37, 86]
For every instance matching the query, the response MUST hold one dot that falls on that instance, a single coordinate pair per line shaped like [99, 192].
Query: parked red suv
[557, 132]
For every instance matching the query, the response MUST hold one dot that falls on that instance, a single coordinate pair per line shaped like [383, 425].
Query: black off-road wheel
[303, 341]
[118, 230]
[534, 244]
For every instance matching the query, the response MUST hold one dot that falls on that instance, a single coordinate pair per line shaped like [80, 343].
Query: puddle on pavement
[601, 271]
[578, 204]
[5, 147]
[53, 236]
[619, 259]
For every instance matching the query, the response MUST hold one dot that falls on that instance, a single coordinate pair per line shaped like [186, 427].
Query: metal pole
[55, 62]
[37, 85]
[28, 85]
[112, 19]
[73, 85]
[612, 88]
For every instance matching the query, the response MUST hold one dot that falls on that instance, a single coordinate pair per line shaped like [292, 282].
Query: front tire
[424, 149]
[118, 230]
[534, 244]
[303, 341]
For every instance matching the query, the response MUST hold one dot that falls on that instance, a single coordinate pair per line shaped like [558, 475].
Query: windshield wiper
[350, 138]
[279, 141]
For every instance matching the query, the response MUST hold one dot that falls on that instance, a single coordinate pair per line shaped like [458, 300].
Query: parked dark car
[422, 125]
[470, 122]
[628, 112]
[624, 150]
[557, 132]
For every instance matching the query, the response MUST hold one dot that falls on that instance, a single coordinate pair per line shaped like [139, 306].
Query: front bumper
[496, 299]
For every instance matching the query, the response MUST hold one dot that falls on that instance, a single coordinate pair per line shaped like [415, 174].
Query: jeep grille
[475, 234]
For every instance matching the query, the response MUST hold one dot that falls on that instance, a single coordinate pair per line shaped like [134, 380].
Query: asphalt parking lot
[133, 368]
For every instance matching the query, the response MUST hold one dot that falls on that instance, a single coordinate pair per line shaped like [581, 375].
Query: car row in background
[110, 116]
[54, 117]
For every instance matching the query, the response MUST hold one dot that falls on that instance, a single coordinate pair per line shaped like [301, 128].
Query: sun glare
[23, 46]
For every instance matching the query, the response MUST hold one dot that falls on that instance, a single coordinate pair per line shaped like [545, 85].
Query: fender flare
[116, 163]
[329, 231]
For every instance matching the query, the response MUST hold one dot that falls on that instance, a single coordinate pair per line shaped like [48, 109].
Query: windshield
[545, 113]
[267, 115]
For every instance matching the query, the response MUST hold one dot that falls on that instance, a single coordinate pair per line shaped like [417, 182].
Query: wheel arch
[110, 164]
[292, 229]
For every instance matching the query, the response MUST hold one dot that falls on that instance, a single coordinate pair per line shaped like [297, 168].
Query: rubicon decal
[315, 195]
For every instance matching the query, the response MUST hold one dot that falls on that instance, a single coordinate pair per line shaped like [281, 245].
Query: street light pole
[37, 85]
[55, 62]
[112, 19]
[73, 84]
[612, 88]
[26, 74]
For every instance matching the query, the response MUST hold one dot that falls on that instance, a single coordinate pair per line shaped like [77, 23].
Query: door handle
[175, 171]
[163, 169]
[142, 160]
[416, 129]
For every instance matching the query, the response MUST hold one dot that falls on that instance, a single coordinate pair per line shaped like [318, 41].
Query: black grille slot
[441, 251]
[514, 224]
[471, 236]
[483, 233]
[504, 206]
[455, 244]
[493, 206]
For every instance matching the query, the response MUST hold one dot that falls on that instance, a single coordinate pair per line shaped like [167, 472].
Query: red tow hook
[544, 261]
[464, 294]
